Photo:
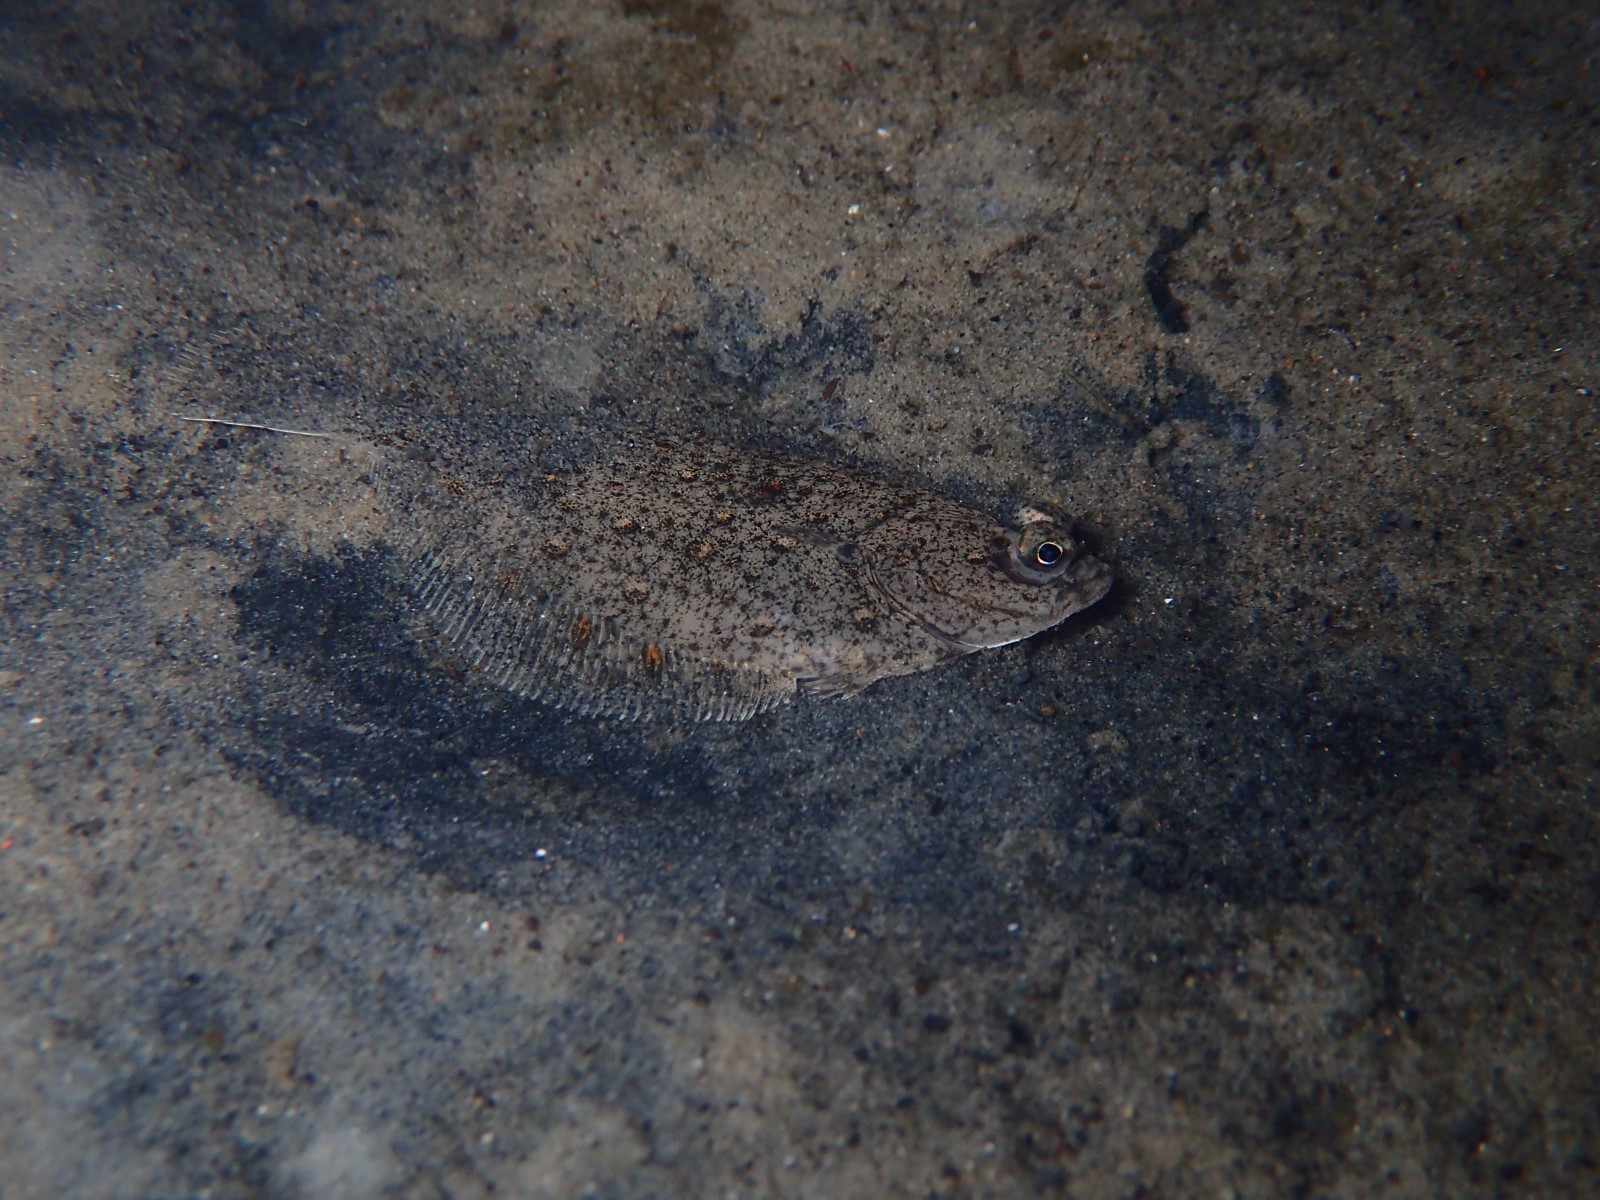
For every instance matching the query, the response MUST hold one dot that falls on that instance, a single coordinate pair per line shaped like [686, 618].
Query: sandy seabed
[1276, 874]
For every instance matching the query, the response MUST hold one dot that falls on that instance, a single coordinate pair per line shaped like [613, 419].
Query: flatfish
[688, 581]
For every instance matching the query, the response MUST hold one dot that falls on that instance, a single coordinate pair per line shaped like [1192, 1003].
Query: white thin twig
[254, 425]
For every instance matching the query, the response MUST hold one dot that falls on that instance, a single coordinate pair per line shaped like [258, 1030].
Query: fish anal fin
[539, 648]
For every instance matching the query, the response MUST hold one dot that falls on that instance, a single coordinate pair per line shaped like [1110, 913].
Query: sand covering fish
[691, 581]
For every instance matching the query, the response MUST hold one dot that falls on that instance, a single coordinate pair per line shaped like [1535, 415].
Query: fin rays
[534, 647]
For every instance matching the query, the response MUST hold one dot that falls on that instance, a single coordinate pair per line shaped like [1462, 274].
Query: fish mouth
[1090, 578]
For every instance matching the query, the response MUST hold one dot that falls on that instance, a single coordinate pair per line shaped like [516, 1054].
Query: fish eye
[1048, 554]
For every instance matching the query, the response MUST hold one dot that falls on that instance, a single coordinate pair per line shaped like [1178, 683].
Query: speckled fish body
[694, 582]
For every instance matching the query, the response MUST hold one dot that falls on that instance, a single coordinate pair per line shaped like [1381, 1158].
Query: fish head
[978, 585]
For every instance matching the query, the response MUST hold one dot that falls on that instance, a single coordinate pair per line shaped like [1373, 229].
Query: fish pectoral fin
[838, 684]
